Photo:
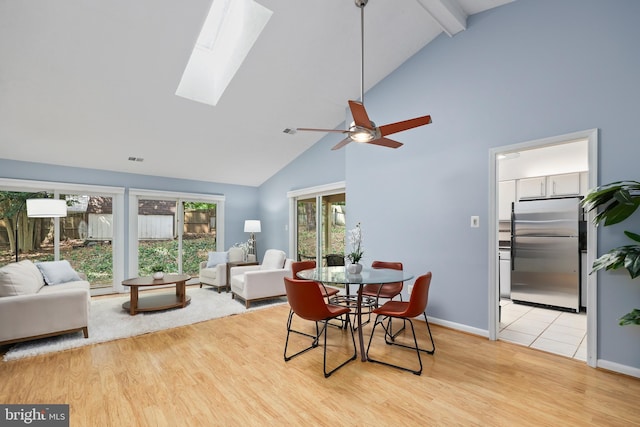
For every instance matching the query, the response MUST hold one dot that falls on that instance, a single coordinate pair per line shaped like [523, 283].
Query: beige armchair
[265, 281]
[214, 273]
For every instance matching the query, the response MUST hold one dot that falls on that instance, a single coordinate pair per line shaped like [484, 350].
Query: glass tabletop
[368, 275]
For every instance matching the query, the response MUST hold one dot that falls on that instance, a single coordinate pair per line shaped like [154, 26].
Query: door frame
[178, 197]
[591, 135]
[307, 193]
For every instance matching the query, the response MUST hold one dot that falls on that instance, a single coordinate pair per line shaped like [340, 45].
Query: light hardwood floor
[230, 371]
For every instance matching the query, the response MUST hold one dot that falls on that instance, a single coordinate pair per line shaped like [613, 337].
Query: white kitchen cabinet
[567, 184]
[506, 196]
[532, 188]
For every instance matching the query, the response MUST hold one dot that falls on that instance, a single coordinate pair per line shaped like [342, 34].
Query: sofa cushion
[56, 272]
[20, 278]
[273, 259]
[216, 258]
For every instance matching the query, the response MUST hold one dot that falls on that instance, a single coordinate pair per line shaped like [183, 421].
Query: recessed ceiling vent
[136, 159]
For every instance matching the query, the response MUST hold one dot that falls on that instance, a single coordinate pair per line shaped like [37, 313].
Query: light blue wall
[528, 70]
[241, 202]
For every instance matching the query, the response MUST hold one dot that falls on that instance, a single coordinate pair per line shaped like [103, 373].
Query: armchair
[215, 274]
[265, 281]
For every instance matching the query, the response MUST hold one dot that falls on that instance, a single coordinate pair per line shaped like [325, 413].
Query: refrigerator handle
[512, 248]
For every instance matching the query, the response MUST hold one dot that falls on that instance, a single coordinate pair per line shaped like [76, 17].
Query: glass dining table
[368, 276]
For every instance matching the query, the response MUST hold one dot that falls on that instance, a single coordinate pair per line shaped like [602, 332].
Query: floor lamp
[252, 226]
[40, 208]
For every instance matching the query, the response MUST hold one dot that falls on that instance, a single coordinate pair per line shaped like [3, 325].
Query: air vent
[136, 159]
[290, 131]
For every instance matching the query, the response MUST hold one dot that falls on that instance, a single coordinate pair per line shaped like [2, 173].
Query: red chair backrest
[388, 287]
[419, 296]
[306, 299]
[297, 266]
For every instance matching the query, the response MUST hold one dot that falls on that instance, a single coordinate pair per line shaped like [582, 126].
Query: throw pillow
[57, 272]
[20, 278]
[216, 258]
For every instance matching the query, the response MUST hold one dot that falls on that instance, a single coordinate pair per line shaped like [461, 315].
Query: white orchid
[355, 240]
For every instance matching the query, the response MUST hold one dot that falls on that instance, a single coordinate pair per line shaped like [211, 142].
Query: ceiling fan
[362, 129]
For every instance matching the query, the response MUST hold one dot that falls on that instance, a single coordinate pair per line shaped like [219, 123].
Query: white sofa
[265, 281]
[213, 272]
[30, 308]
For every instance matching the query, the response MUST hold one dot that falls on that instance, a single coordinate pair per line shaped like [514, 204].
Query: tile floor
[552, 331]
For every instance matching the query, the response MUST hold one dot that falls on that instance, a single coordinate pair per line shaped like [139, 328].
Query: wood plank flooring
[230, 372]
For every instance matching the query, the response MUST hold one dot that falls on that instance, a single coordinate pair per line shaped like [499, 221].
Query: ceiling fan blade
[404, 125]
[386, 142]
[360, 117]
[322, 130]
[341, 143]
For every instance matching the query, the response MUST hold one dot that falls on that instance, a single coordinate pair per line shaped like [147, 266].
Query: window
[319, 216]
[89, 237]
[173, 230]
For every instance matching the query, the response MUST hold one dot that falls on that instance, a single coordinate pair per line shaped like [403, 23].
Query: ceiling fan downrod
[361, 4]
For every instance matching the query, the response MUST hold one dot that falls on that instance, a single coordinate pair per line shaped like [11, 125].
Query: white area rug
[109, 321]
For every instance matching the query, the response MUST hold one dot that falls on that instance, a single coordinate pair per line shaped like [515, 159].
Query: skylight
[228, 33]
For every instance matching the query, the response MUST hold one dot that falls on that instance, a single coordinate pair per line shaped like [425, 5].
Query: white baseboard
[616, 367]
[459, 327]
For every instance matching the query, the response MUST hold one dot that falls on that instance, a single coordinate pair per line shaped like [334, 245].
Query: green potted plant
[158, 271]
[616, 202]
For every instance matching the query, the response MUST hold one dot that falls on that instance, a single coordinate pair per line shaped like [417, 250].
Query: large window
[87, 237]
[319, 224]
[174, 231]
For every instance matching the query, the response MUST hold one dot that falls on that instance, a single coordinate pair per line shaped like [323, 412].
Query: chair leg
[314, 343]
[353, 357]
[315, 337]
[387, 333]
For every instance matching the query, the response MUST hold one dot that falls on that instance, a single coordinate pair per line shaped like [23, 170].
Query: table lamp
[252, 226]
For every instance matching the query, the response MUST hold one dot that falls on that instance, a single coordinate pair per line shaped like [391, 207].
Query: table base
[157, 303]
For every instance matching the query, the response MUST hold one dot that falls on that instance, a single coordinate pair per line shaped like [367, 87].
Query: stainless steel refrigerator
[545, 256]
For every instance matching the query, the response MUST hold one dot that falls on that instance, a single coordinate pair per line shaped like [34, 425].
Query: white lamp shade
[46, 208]
[252, 226]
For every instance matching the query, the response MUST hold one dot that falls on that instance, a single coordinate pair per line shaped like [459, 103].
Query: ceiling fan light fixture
[361, 134]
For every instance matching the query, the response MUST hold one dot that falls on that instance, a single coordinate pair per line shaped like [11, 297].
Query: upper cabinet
[532, 188]
[564, 185]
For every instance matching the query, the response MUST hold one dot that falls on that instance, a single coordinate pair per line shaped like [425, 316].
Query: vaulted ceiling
[92, 83]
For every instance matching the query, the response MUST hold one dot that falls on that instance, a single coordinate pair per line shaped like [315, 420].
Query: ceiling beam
[448, 14]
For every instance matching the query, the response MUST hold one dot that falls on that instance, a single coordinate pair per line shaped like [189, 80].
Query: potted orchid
[354, 257]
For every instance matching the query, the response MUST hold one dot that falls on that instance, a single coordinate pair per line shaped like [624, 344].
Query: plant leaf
[633, 236]
[632, 318]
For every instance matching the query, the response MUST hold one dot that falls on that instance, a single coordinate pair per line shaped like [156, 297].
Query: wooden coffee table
[157, 302]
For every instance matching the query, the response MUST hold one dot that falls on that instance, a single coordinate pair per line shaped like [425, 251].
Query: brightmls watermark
[34, 415]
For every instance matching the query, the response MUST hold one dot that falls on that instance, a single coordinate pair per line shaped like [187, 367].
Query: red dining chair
[307, 302]
[416, 305]
[297, 266]
[387, 291]
[327, 291]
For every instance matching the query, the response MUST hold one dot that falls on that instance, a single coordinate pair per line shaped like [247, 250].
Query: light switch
[475, 221]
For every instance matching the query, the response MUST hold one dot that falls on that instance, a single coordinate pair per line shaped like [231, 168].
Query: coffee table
[156, 302]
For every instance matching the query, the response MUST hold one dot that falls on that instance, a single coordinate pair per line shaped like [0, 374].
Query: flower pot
[354, 268]
[158, 275]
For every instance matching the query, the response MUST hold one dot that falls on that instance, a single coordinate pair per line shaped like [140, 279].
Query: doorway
[552, 161]
[317, 220]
